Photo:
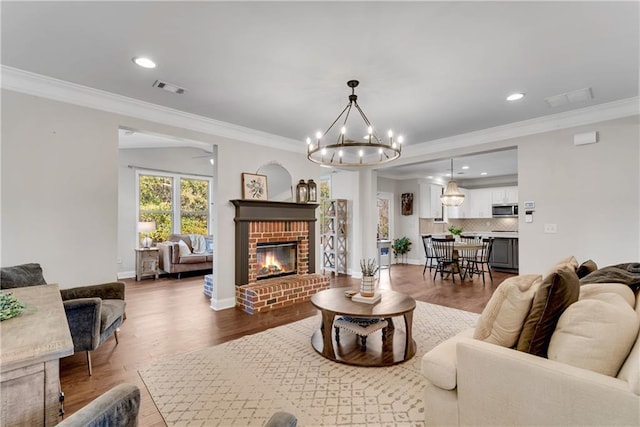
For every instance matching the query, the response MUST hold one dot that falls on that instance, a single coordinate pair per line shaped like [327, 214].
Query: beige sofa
[485, 383]
[172, 261]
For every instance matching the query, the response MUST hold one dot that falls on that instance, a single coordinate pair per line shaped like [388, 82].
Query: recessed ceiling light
[143, 62]
[515, 96]
[483, 173]
[430, 177]
[465, 167]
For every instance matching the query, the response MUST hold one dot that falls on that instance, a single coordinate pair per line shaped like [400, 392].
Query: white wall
[590, 192]
[60, 188]
[409, 225]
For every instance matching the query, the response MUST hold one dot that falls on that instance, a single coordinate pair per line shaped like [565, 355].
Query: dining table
[464, 246]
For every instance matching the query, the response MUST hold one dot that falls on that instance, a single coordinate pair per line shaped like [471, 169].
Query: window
[194, 206]
[177, 203]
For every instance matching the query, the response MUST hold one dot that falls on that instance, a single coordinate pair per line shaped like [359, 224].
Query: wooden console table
[32, 345]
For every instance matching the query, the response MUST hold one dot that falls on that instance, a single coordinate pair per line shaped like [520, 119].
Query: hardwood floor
[168, 317]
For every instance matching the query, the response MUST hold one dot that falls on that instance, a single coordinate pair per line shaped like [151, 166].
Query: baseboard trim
[126, 275]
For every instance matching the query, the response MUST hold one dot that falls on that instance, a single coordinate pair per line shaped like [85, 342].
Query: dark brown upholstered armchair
[94, 313]
[117, 407]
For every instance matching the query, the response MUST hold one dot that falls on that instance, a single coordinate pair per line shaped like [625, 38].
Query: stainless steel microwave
[509, 210]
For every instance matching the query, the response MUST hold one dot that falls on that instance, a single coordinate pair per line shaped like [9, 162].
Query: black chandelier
[371, 150]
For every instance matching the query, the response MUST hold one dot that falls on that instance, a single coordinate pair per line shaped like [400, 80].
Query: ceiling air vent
[576, 96]
[169, 87]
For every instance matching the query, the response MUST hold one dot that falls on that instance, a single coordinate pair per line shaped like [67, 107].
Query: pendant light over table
[452, 196]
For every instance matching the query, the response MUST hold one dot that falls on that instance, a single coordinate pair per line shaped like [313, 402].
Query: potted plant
[455, 231]
[369, 269]
[401, 247]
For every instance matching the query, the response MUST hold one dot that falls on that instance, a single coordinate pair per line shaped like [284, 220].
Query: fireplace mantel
[262, 210]
[250, 213]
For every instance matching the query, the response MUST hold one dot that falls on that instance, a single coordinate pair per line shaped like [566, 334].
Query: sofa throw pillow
[502, 319]
[557, 292]
[595, 333]
[571, 262]
[585, 268]
[183, 248]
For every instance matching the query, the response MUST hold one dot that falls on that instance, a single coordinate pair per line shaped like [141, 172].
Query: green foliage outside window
[194, 206]
[156, 204]
[156, 194]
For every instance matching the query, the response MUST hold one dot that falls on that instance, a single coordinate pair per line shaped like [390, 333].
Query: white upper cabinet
[430, 206]
[504, 195]
[479, 203]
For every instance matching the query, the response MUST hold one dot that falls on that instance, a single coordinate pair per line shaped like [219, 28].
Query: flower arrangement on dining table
[455, 230]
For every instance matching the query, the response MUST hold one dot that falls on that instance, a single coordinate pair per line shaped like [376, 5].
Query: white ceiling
[428, 70]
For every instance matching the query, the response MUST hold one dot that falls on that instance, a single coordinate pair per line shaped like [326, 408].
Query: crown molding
[568, 119]
[60, 90]
[47, 87]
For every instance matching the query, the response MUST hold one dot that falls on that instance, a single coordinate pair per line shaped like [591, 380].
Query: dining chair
[467, 256]
[447, 263]
[482, 259]
[429, 253]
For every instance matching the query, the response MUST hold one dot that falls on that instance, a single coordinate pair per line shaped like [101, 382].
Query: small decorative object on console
[10, 306]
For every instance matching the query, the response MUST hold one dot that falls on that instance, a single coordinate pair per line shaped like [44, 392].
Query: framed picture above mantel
[254, 186]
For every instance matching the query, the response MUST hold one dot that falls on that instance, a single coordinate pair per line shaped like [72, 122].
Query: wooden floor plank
[170, 316]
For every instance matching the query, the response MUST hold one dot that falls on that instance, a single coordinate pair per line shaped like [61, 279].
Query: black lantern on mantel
[312, 189]
[302, 192]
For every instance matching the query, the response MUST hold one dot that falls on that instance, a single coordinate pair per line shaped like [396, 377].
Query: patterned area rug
[243, 382]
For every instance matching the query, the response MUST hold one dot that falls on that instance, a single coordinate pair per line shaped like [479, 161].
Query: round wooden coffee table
[393, 347]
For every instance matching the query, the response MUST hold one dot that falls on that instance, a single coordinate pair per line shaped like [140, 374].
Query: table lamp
[144, 228]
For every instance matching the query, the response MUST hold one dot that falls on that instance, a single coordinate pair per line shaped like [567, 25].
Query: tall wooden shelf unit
[334, 237]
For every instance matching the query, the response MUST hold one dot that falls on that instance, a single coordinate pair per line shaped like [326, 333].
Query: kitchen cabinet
[504, 195]
[430, 205]
[479, 203]
[504, 255]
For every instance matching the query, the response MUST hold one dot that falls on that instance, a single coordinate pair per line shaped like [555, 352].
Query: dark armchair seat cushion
[19, 276]
[112, 310]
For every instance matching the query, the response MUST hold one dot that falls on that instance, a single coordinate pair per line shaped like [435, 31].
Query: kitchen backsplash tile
[427, 225]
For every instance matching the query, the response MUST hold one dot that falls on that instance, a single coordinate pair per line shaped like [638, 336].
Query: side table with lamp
[147, 257]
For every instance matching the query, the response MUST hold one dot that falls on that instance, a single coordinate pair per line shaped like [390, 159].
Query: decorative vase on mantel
[368, 286]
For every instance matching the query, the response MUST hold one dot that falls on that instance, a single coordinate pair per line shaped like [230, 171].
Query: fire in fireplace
[276, 259]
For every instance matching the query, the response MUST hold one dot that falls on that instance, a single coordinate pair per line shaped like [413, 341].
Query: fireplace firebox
[276, 259]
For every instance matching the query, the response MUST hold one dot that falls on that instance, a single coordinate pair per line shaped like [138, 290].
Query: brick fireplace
[263, 223]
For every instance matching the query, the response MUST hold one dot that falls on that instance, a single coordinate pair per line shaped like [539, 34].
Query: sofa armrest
[169, 253]
[440, 364]
[83, 317]
[117, 407]
[113, 290]
[502, 386]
